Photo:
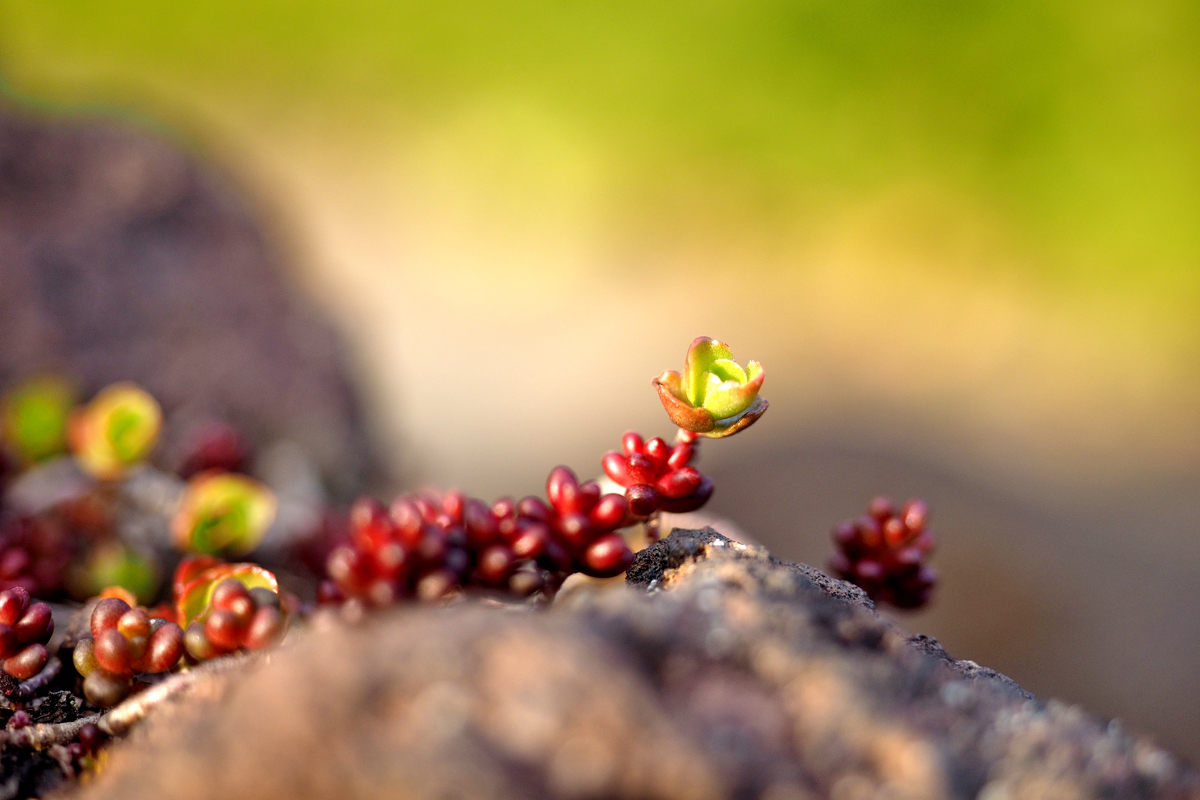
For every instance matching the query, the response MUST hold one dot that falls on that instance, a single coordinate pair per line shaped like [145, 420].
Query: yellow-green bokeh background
[965, 231]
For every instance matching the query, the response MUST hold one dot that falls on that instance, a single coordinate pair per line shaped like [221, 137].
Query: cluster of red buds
[658, 476]
[214, 445]
[35, 554]
[125, 642]
[239, 618]
[24, 631]
[429, 547]
[574, 532]
[416, 548]
[225, 608]
[885, 551]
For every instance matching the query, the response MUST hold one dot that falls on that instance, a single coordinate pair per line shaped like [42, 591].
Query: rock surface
[121, 258]
[718, 673]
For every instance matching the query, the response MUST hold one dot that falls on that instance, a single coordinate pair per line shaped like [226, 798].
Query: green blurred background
[962, 237]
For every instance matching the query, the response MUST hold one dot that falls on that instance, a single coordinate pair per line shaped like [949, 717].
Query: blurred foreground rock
[720, 672]
[122, 258]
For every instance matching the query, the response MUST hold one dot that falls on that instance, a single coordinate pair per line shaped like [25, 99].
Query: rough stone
[122, 258]
[719, 672]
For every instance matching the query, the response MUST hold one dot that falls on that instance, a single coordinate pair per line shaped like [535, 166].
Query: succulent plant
[112, 563]
[34, 418]
[885, 552]
[197, 578]
[222, 512]
[125, 641]
[713, 396]
[115, 431]
[24, 631]
[657, 476]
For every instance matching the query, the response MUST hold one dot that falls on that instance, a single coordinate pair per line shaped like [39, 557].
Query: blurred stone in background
[123, 259]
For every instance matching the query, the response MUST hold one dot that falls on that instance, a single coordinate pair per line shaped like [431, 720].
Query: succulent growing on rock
[427, 547]
[227, 607]
[125, 641]
[582, 521]
[657, 476]
[427, 542]
[238, 617]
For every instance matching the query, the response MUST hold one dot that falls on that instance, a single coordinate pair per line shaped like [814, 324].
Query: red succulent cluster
[885, 551]
[35, 553]
[658, 476]
[125, 641]
[574, 532]
[237, 618]
[417, 547]
[214, 445]
[24, 631]
[428, 547]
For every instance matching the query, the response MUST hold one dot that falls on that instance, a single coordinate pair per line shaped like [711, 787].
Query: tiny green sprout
[223, 512]
[714, 396]
[35, 418]
[115, 431]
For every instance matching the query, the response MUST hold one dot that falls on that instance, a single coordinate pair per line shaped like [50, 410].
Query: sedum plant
[125, 642]
[34, 418]
[25, 629]
[430, 546]
[115, 431]
[224, 608]
[885, 553]
[420, 547]
[223, 512]
[713, 396]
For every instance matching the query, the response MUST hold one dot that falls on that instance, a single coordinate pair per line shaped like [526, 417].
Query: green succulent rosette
[714, 396]
[34, 417]
[223, 513]
[115, 431]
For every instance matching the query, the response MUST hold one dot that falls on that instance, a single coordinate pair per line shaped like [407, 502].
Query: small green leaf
[728, 370]
[728, 398]
[700, 357]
